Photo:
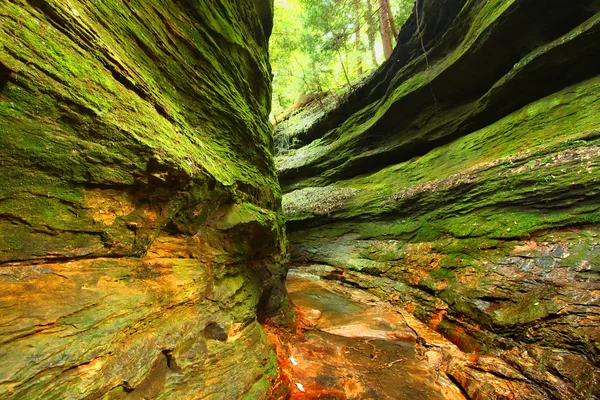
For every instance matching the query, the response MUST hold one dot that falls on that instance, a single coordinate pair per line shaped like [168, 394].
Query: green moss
[261, 388]
[441, 274]
[120, 123]
[510, 197]
[531, 307]
[522, 130]
[317, 201]
[384, 251]
[128, 108]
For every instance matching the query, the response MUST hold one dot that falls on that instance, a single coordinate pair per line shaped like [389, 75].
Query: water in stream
[351, 345]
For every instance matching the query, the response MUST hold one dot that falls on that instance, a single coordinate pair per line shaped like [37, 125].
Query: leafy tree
[328, 45]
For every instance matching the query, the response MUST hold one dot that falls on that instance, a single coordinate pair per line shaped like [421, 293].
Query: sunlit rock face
[462, 181]
[140, 224]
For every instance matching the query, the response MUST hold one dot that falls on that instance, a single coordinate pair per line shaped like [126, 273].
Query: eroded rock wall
[462, 181]
[140, 224]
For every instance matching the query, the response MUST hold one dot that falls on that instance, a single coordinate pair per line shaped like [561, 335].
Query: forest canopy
[322, 46]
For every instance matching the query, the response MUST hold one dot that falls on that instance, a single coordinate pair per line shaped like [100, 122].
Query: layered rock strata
[461, 181]
[140, 224]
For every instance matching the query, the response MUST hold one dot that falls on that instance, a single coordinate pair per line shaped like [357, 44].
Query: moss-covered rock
[139, 201]
[471, 163]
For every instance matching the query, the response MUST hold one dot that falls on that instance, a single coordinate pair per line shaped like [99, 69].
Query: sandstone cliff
[462, 182]
[140, 225]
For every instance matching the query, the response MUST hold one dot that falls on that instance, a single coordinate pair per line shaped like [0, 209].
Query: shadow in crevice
[4, 76]
[155, 379]
[215, 331]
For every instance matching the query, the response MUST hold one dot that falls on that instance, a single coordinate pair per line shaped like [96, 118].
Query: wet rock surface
[351, 345]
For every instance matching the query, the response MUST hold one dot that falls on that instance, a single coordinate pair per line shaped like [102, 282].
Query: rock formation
[462, 182]
[140, 224]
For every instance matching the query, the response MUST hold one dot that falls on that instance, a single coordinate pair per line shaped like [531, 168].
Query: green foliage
[401, 10]
[314, 46]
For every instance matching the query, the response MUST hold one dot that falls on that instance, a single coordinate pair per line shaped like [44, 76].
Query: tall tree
[392, 21]
[384, 23]
[357, 38]
[371, 31]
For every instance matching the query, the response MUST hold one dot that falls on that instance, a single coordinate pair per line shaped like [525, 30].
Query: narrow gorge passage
[429, 171]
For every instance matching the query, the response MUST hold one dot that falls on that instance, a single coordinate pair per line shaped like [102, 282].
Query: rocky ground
[351, 345]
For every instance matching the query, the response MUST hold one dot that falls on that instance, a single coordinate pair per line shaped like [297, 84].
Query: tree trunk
[392, 22]
[371, 32]
[357, 38]
[385, 28]
[344, 69]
